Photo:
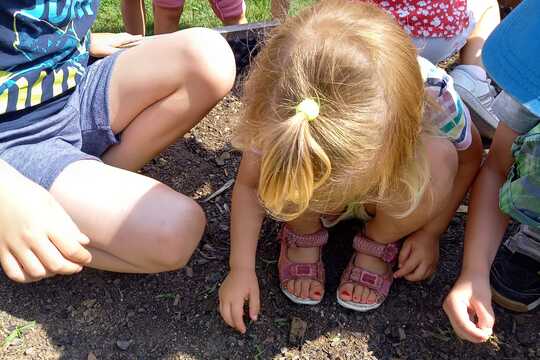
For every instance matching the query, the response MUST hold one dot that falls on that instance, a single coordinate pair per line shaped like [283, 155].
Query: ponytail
[293, 166]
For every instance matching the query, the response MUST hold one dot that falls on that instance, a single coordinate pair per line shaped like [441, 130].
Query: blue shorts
[42, 149]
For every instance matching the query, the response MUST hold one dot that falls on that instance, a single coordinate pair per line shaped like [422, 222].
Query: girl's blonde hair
[359, 65]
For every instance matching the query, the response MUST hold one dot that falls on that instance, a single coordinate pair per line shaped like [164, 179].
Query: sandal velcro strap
[365, 245]
[293, 239]
[371, 280]
[304, 271]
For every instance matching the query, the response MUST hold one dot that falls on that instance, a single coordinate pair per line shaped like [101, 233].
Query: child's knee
[209, 59]
[178, 236]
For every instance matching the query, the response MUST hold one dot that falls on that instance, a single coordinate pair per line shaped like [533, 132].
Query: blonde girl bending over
[343, 120]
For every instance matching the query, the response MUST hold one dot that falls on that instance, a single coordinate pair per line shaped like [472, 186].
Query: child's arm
[37, 237]
[483, 235]
[425, 262]
[246, 219]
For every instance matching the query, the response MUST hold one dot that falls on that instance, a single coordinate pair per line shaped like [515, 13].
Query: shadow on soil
[174, 315]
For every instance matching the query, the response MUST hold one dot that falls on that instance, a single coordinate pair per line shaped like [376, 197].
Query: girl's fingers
[404, 253]
[69, 240]
[226, 314]
[53, 261]
[254, 304]
[418, 274]
[486, 318]
[31, 265]
[407, 267]
[237, 312]
[463, 326]
[13, 269]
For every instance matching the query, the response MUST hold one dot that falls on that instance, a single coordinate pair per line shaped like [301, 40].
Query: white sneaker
[474, 87]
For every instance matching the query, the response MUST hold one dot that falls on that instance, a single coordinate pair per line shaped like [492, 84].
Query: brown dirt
[93, 315]
[174, 315]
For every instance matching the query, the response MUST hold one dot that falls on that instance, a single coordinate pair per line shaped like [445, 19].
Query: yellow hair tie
[309, 108]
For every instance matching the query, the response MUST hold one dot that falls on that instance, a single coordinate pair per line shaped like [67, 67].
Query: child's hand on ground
[105, 44]
[239, 286]
[38, 239]
[418, 257]
[468, 307]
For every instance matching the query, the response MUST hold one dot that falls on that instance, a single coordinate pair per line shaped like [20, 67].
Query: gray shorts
[41, 150]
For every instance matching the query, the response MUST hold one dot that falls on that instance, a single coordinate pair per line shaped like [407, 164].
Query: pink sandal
[289, 270]
[357, 275]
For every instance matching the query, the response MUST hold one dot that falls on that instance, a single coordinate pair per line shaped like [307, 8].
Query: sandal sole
[295, 299]
[512, 305]
[356, 306]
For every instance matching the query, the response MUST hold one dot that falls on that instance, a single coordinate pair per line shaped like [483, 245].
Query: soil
[100, 315]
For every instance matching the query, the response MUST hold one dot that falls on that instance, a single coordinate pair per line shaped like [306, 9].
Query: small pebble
[29, 352]
[123, 344]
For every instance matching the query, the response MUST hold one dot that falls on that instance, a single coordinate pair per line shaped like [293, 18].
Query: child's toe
[304, 293]
[290, 286]
[365, 295]
[358, 292]
[315, 291]
[297, 288]
[372, 297]
[346, 292]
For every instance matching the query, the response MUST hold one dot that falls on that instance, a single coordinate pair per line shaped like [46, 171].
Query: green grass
[196, 13]
[18, 333]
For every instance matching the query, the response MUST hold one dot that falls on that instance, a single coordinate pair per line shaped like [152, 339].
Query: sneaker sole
[478, 113]
[512, 305]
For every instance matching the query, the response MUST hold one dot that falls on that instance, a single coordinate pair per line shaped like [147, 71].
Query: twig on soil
[269, 262]
[281, 322]
[259, 353]
[222, 189]
[167, 296]
[207, 257]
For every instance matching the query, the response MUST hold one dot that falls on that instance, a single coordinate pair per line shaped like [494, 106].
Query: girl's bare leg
[134, 15]
[308, 223]
[162, 88]
[384, 228]
[490, 17]
[166, 19]
[158, 91]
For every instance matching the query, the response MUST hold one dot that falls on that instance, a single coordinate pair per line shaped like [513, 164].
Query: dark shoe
[515, 277]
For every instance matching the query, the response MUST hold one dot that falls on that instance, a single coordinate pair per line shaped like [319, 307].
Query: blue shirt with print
[43, 52]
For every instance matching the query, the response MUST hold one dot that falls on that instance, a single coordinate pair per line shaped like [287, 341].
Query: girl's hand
[418, 257]
[105, 44]
[468, 307]
[37, 237]
[239, 286]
